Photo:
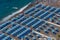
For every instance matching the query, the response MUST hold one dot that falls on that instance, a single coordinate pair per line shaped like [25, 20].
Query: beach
[8, 7]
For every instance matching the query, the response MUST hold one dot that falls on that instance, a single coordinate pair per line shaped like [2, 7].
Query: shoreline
[14, 13]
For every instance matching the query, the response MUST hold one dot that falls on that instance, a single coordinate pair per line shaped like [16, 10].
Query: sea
[7, 7]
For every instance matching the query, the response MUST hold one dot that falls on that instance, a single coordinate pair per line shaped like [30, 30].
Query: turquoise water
[6, 6]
